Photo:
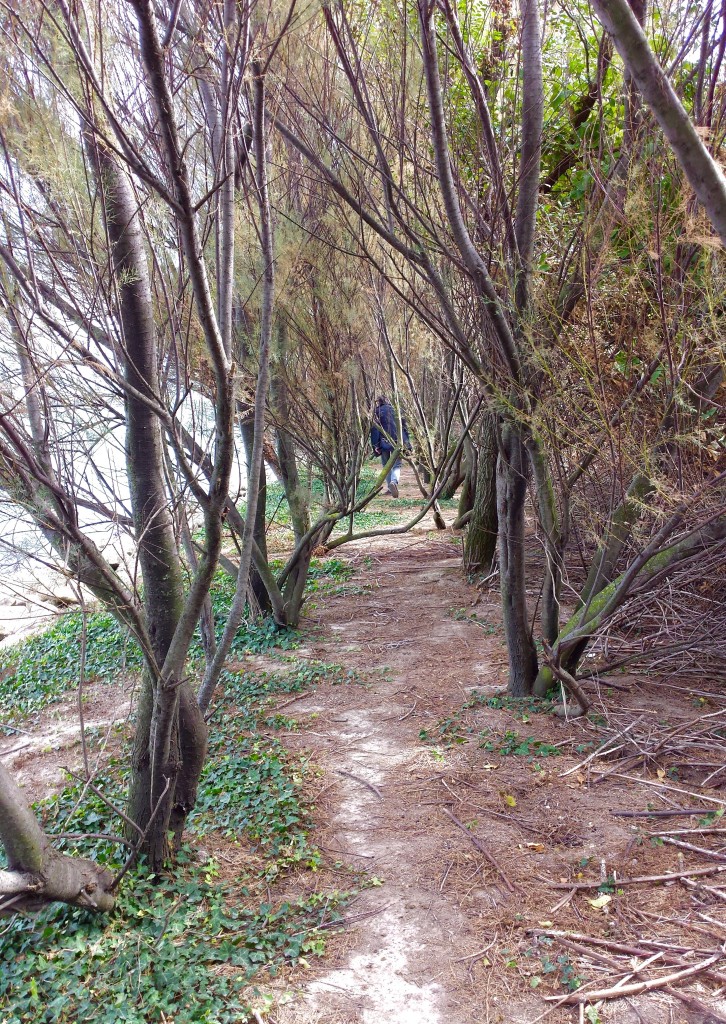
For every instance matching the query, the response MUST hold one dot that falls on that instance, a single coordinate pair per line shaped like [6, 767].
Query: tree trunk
[454, 479]
[468, 488]
[158, 757]
[256, 586]
[295, 492]
[480, 545]
[511, 494]
[703, 173]
[297, 573]
[619, 530]
[36, 872]
[554, 540]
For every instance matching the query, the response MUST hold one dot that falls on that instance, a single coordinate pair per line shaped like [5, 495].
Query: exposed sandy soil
[447, 936]
[40, 754]
[446, 941]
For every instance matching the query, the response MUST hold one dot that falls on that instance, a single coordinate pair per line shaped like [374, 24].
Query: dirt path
[444, 939]
[442, 935]
[408, 961]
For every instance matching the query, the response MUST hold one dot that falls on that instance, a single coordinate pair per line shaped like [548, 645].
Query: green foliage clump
[447, 731]
[521, 707]
[184, 946]
[255, 636]
[511, 743]
[462, 615]
[40, 669]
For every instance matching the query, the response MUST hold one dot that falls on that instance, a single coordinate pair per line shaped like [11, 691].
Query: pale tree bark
[703, 173]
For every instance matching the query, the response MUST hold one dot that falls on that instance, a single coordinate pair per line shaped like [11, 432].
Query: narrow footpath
[413, 948]
[480, 818]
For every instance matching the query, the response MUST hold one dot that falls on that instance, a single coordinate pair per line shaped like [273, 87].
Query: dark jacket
[384, 429]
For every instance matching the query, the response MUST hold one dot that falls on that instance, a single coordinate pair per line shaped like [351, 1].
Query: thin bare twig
[357, 778]
[675, 877]
[480, 847]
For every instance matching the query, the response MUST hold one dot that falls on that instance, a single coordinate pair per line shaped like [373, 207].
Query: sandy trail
[401, 636]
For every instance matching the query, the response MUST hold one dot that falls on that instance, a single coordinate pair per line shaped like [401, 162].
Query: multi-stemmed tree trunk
[170, 741]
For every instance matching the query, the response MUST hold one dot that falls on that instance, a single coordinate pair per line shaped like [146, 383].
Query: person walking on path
[384, 438]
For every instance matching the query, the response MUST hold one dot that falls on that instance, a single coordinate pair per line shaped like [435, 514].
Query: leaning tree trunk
[511, 495]
[36, 872]
[703, 173]
[620, 529]
[480, 545]
[293, 587]
[654, 563]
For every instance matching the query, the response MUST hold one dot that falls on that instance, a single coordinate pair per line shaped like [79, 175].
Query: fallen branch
[670, 953]
[14, 750]
[670, 789]
[640, 986]
[675, 813]
[601, 749]
[693, 848]
[480, 847]
[675, 877]
[357, 778]
[409, 712]
[718, 893]
[696, 1006]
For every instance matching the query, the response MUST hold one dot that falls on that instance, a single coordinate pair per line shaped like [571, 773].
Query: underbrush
[40, 669]
[459, 728]
[186, 947]
[278, 512]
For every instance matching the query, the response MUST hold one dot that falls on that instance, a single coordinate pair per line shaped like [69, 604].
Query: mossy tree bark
[656, 562]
